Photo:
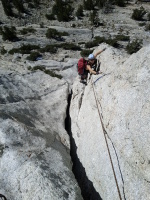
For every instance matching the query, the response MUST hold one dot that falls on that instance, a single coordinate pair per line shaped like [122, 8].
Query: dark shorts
[84, 75]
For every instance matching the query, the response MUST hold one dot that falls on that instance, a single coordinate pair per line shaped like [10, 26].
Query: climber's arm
[90, 69]
[97, 53]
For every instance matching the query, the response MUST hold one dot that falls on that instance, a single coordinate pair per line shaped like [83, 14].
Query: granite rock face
[34, 146]
[123, 96]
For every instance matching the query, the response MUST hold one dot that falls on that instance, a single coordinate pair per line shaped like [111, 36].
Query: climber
[85, 66]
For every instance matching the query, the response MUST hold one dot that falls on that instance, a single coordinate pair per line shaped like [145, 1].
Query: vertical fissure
[87, 189]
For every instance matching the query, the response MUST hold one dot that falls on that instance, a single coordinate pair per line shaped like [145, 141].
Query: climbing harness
[104, 132]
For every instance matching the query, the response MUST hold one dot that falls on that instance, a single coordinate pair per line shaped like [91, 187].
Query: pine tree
[18, 5]
[88, 5]
[79, 12]
[94, 18]
[9, 33]
[62, 10]
[7, 7]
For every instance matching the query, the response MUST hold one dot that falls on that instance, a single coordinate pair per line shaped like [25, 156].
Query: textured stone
[123, 98]
[34, 146]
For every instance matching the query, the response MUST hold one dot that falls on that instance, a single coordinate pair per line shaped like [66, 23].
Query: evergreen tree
[62, 10]
[9, 33]
[18, 5]
[94, 18]
[7, 7]
[88, 4]
[79, 12]
[100, 3]
[120, 3]
[138, 14]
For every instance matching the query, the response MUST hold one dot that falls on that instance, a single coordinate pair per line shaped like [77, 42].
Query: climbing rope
[104, 132]
[2, 197]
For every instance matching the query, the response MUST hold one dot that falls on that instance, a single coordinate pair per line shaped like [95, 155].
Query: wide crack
[87, 189]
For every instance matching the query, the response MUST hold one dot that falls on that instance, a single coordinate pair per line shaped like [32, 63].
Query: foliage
[122, 38]
[49, 48]
[112, 42]
[41, 25]
[148, 16]
[100, 3]
[24, 31]
[50, 16]
[85, 52]
[7, 7]
[79, 12]
[49, 72]
[120, 3]
[25, 49]
[147, 27]
[36, 2]
[97, 40]
[138, 14]
[53, 33]
[9, 33]
[134, 46]
[88, 4]
[91, 44]
[142, 24]
[62, 10]
[70, 46]
[3, 51]
[33, 56]
[94, 18]
[18, 5]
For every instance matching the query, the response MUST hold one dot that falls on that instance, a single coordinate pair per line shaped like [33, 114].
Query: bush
[53, 33]
[9, 33]
[33, 56]
[94, 18]
[25, 49]
[49, 72]
[85, 53]
[120, 3]
[50, 16]
[112, 42]
[18, 5]
[147, 27]
[91, 44]
[49, 48]
[142, 24]
[100, 3]
[41, 25]
[79, 12]
[62, 10]
[31, 5]
[3, 51]
[97, 40]
[122, 38]
[24, 31]
[7, 7]
[148, 16]
[134, 46]
[88, 4]
[70, 46]
[64, 33]
[36, 2]
[138, 14]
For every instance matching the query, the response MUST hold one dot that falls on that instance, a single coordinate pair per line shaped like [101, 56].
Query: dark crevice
[87, 189]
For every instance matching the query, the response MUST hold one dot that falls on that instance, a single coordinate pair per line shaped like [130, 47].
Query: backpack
[81, 66]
